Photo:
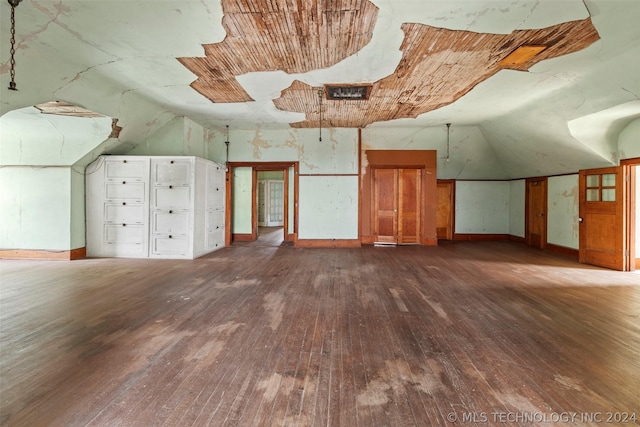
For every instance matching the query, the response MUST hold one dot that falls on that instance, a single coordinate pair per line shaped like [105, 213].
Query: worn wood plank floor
[489, 333]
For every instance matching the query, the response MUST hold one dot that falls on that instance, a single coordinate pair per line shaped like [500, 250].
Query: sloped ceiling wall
[119, 58]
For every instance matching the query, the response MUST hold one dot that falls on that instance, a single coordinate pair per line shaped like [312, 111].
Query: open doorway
[270, 204]
[261, 205]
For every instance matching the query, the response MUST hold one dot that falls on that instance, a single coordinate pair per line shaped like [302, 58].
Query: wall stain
[259, 143]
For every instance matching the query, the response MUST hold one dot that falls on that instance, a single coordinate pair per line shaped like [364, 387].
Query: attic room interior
[307, 212]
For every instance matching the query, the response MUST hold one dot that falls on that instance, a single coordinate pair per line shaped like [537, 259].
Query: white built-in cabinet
[154, 207]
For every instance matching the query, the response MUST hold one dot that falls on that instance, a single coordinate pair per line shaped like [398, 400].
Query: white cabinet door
[117, 168]
[125, 190]
[126, 240]
[128, 213]
[171, 197]
[170, 246]
[171, 222]
[172, 171]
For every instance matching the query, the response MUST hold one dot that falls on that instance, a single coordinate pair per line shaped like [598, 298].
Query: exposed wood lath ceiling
[438, 66]
[65, 109]
[294, 37]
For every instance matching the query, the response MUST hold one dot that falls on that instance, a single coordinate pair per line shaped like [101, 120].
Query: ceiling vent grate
[337, 92]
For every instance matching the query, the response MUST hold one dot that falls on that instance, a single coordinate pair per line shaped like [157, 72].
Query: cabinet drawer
[125, 213]
[116, 169]
[172, 246]
[171, 222]
[215, 239]
[172, 197]
[125, 190]
[215, 220]
[124, 233]
[215, 197]
[169, 171]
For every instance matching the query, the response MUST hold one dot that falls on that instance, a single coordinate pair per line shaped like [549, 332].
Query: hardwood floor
[466, 333]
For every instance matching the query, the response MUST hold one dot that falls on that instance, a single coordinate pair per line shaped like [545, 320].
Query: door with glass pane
[270, 203]
[275, 203]
[602, 217]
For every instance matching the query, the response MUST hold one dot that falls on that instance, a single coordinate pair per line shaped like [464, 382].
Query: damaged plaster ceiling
[260, 64]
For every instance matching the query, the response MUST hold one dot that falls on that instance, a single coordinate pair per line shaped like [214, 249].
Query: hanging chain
[320, 113]
[12, 83]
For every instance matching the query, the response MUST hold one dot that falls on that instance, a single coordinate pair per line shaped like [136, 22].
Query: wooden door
[445, 209]
[602, 217]
[397, 205]
[536, 212]
[385, 182]
[409, 212]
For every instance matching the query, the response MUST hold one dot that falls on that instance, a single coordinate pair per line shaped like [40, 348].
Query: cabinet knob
[170, 236]
[171, 186]
[124, 225]
[171, 162]
[124, 161]
[124, 203]
[170, 211]
[217, 226]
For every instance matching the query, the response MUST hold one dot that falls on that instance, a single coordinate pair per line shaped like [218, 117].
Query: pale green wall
[336, 154]
[482, 207]
[629, 140]
[42, 194]
[328, 207]
[516, 208]
[77, 207]
[562, 211]
[36, 208]
[179, 137]
[241, 199]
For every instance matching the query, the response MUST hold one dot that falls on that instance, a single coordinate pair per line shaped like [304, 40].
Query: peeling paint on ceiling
[118, 58]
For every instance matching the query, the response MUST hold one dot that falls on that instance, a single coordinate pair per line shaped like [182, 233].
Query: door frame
[255, 168]
[418, 159]
[631, 167]
[527, 215]
[450, 184]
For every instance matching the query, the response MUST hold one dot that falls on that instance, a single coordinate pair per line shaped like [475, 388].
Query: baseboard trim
[44, 255]
[243, 237]
[328, 243]
[481, 237]
[517, 239]
[563, 250]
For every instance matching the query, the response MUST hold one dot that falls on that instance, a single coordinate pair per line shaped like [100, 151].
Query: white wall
[516, 207]
[562, 211]
[482, 207]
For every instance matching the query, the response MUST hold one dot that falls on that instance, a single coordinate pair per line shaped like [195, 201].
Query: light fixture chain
[12, 84]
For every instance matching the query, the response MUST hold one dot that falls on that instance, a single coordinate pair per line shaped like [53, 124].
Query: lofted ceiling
[527, 78]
